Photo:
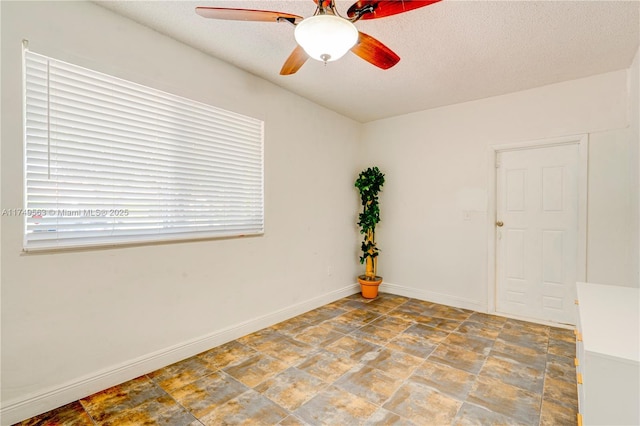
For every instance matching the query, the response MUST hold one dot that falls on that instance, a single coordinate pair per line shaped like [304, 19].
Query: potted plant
[369, 184]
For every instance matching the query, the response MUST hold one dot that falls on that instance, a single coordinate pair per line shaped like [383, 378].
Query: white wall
[634, 161]
[74, 323]
[610, 234]
[436, 165]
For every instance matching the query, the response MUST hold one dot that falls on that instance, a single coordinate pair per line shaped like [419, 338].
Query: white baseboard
[460, 302]
[431, 296]
[22, 408]
[535, 320]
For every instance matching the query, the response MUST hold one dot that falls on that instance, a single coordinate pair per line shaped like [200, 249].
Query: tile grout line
[544, 379]
[87, 412]
[175, 400]
[475, 375]
[493, 342]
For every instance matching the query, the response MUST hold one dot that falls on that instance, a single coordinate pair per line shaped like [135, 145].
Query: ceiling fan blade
[382, 8]
[293, 63]
[245, 14]
[374, 52]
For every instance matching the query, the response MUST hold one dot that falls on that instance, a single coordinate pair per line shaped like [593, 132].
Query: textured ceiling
[452, 51]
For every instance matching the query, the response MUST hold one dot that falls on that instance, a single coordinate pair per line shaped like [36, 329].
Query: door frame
[582, 140]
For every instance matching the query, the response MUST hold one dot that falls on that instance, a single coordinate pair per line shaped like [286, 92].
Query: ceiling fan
[327, 36]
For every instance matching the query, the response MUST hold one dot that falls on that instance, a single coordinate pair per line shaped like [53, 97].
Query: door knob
[499, 223]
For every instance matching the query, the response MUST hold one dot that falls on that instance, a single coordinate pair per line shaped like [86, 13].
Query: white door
[537, 232]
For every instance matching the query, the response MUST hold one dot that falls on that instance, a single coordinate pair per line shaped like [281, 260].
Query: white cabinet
[608, 354]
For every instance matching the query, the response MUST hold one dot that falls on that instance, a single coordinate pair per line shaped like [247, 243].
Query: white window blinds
[109, 162]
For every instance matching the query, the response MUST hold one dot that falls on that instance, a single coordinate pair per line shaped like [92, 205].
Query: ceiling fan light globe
[326, 37]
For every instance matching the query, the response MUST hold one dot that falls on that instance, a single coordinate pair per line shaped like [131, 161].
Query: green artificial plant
[369, 184]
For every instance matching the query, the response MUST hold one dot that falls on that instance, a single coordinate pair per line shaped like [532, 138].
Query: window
[110, 162]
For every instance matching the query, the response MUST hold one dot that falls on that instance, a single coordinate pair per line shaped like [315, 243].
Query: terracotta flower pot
[369, 287]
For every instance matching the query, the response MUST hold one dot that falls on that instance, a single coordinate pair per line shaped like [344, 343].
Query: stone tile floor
[388, 361]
